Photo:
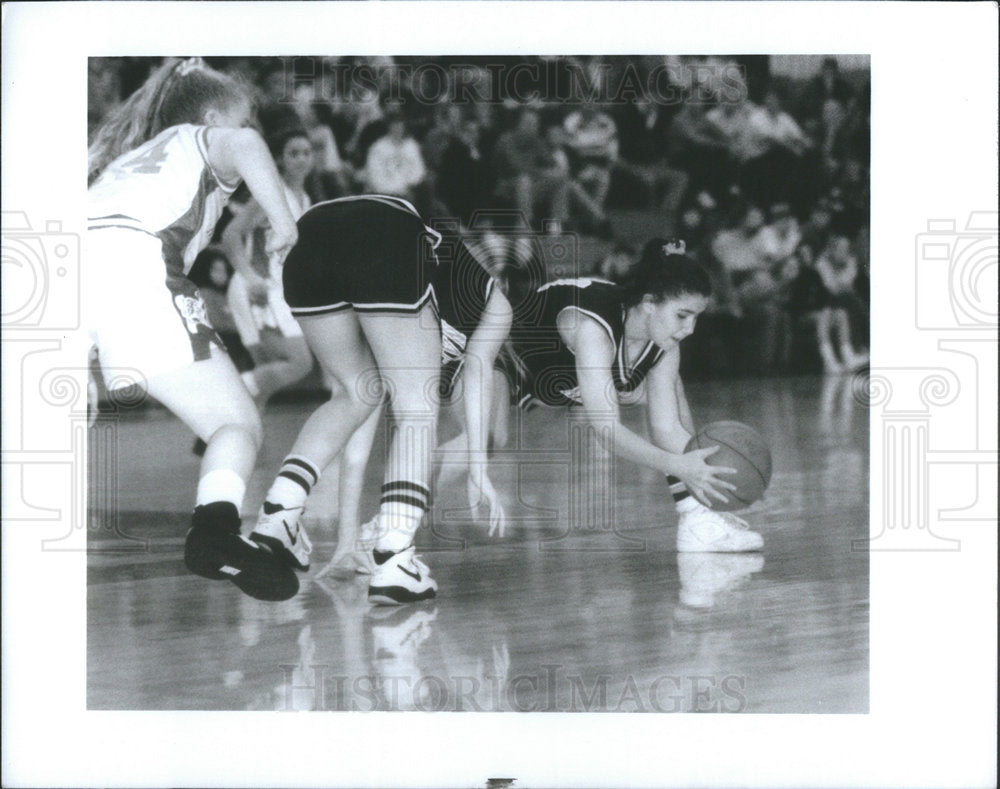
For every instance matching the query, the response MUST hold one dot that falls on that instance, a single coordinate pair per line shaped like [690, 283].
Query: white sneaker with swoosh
[279, 529]
[402, 578]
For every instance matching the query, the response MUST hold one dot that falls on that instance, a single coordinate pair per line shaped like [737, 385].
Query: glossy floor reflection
[583, 606]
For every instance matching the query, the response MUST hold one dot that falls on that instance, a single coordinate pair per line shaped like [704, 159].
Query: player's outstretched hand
[482, 492]
[703, 480]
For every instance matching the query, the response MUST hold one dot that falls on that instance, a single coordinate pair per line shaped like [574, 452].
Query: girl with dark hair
[590, 342]
[162, 168]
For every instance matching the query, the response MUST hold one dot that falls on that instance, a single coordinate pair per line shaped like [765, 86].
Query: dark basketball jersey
[547, 366]
[462, 286]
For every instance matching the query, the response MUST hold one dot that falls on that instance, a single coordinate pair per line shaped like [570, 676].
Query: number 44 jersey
[165, 188]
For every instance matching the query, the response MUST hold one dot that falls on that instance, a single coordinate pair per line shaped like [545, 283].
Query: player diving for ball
[382, 299]
[593, 343]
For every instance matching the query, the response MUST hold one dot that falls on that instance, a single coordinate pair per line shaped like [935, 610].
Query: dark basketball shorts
[360, 254]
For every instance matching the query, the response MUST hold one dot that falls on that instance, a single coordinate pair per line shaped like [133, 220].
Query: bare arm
[686, 419]
[594, 355]
[669, 416]
[243, 153]
[477, 378]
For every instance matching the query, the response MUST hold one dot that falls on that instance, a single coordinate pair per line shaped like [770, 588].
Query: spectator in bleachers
[593, 138]
[463, 178]
[331, 176]
[274, 98]
[394, 165]
[824, 295]
[826, 99]
[779, 239]
[702, 148]
[758, 286]
[816, 230]
[617, 263]
[580, 198]
[851, 192]
[362, 111]
[447, 127]
[643, 127]
[527, 173]
[773, 168]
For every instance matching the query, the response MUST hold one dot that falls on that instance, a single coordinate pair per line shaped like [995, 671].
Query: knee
[253, 426]
[246, 421]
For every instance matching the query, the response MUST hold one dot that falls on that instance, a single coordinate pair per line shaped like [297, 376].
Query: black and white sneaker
[402, 578]
[215, 549]
[279, 529]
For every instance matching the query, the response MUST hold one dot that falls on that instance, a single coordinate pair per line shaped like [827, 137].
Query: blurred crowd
[764, 176]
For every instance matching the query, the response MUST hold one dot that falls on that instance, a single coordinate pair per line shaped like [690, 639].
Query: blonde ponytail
[179, 91]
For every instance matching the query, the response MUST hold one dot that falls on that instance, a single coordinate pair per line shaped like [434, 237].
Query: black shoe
[215, 549]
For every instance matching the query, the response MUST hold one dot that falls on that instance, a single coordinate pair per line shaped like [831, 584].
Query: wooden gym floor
[583, 606]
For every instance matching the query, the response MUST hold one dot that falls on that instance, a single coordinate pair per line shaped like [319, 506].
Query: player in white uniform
[162, 168]
[265, 322]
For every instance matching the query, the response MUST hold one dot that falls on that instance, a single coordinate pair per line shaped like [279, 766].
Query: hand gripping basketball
[741, 448]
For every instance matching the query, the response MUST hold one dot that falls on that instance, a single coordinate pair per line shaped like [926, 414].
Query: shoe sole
[705, 549]
[398, 595]
[279, 549]
[253, 569]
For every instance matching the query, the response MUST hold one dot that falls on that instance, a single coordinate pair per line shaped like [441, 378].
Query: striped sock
[295, 480]
[683, 500]
[402, 508]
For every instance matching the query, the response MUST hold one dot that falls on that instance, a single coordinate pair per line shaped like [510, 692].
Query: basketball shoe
[279, 529]
[402, 578]
[215, 549]
[702, 530]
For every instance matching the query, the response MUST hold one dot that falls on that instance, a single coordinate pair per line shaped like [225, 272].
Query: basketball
[742, 448]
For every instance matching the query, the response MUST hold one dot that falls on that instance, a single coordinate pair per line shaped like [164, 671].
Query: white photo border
[933, 626]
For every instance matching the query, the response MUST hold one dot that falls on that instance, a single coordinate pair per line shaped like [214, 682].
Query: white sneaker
[701, 530]
[402, 578]
[279, 529]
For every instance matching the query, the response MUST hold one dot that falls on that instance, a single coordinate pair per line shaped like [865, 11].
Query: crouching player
[594, 343]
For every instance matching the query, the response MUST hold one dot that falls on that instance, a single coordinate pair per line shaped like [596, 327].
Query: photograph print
[479, 383]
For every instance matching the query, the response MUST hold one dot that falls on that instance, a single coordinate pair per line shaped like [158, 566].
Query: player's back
[165, 187]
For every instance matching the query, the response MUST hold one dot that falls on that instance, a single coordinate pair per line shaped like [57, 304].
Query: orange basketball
[742, 448]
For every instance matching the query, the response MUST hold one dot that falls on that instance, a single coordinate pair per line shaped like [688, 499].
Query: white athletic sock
[397, 528]
[295, 480]
[400, 513]
[221, 485]
[683, 500]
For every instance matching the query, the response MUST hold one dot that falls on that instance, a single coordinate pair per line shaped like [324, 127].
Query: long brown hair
[179, 91]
